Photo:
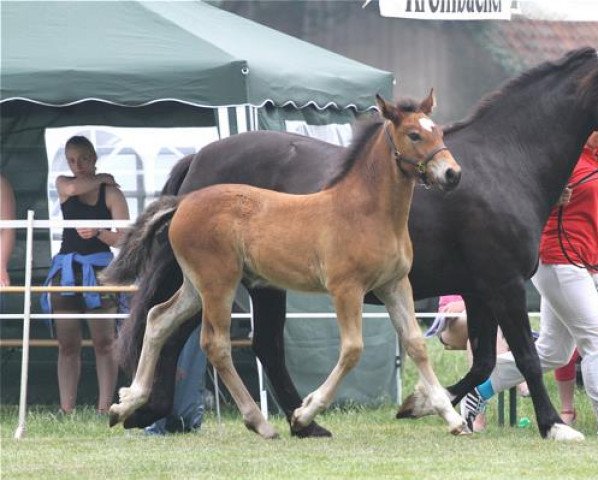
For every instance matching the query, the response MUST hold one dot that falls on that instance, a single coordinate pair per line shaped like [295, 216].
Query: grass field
[367, 443]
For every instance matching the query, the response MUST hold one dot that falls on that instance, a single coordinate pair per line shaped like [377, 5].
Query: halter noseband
[420, 167]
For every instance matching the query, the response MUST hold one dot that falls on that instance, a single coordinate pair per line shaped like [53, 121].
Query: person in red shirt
[567, 279]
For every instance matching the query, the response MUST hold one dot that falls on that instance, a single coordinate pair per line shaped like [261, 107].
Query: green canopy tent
[136, 53]
[156, 64]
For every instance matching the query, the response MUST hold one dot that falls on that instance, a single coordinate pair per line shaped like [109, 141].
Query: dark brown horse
[518, 150]
[347, 240]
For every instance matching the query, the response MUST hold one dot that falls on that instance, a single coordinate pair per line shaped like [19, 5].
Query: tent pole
[241, 113]
[255, 118]
[223, 122]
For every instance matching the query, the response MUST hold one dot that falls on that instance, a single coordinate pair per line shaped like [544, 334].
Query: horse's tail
[136, 245]
[177, 175]
[157, 283]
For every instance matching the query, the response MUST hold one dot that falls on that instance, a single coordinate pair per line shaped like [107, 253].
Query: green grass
[367, 443]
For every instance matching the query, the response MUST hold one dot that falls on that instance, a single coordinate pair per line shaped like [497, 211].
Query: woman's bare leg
[104, 340]
[68, 334]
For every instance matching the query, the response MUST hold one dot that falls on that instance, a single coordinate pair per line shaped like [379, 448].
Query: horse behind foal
[346, 240]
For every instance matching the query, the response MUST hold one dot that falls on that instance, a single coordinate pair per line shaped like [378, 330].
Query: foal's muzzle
[443, 172]
[453, 177]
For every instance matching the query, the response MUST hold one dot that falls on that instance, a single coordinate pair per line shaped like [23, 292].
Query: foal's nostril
[453, 177]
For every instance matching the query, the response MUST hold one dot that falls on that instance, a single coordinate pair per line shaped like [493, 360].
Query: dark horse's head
[417, 142]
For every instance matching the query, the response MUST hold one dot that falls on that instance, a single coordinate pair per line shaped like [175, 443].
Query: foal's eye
[414, 137]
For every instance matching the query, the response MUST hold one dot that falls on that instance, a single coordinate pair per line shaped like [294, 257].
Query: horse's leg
[160, 401]
[269, 310]
[511, 311]
[348, 304]
[215, 341]
[481, 330]
[429, 396]
[163, 319]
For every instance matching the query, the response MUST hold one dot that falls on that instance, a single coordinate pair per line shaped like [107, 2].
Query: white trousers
[568, 318]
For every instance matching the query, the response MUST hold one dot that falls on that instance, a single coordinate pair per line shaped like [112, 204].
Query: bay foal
[345, 240]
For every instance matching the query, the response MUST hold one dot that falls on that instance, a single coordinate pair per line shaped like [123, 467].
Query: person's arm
[7, 235]
[117, 204]
[71, 186]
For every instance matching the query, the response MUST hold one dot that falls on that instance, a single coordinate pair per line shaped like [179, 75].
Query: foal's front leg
[429, 396]
[162, 321]
[347, 303]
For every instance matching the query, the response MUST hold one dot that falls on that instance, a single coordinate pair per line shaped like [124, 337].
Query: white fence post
[20, 431]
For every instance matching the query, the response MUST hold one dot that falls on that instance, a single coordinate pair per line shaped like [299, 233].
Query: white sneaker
[471, 406]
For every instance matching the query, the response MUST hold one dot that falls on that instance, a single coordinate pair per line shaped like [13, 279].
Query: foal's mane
[365, 130]
[531, 76]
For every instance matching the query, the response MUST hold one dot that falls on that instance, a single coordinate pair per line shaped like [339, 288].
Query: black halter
[420, 167]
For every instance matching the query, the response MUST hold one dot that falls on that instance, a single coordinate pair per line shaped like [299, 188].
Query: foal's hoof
[564, 433]
[313, 430]
[117, 413]
[461, 429]
[405, 411]
[113, 419]
[264, 430]
[416, 405]
[270, 434]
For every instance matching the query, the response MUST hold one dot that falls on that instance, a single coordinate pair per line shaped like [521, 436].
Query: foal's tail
[157, 283]
[136, 246]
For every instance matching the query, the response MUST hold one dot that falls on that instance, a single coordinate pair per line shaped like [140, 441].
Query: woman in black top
[86, 195]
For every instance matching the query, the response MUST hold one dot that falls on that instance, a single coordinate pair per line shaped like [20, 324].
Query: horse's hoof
[461, 429]
[564, 433]
[416, 405]
[306, 413]
[405, 411]
[313, 430]
[266, 431]
[262, 428]
[113, 419]
[295, 425]
[270, 434]
[141, 418]
[301, 418]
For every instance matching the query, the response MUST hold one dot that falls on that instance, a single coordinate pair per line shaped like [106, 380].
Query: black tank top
[74, 209]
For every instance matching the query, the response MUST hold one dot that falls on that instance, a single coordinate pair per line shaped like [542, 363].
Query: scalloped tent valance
[135, 53]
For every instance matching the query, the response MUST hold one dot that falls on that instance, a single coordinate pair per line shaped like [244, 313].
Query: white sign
[447, 9]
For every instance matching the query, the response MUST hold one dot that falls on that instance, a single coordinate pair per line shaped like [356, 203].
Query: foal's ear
[388, 111]
[428, 104]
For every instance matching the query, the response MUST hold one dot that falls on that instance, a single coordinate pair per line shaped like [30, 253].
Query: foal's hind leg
[429, 397]
[215, 341]
[269, 309]
[163, 319]
[348, 302]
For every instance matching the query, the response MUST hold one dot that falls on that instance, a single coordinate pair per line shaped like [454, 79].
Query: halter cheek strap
[420, 167]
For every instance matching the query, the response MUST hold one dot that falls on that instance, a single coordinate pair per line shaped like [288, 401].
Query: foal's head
[417, 142]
